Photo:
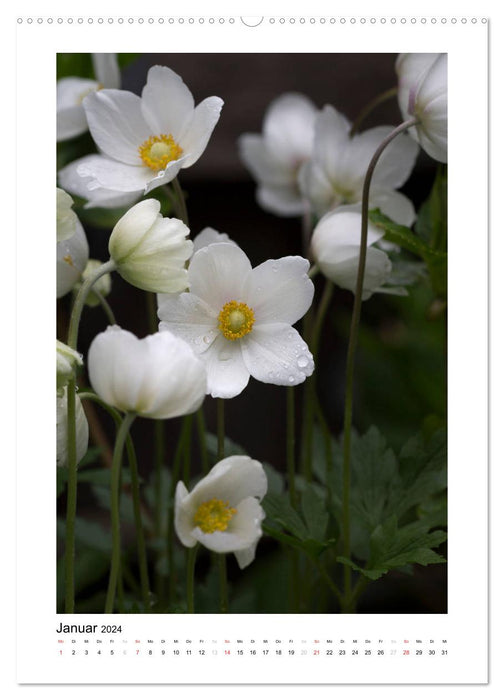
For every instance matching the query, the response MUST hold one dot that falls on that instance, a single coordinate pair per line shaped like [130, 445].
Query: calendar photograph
[263, 439]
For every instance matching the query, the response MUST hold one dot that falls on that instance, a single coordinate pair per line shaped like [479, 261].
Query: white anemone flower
[275, 156]
[335, 174]
[157, 377]
[335, 247]
[66, 218]
[70, 92]
[423, 93]
[208, 236]
[149, 250]
[67, 360]
[81, 429]
[143, 141]
[72, 252]
[240, 319]
[223, 510]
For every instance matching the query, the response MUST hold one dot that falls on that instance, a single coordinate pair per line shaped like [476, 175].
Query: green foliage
[80, 64]
[435, 259]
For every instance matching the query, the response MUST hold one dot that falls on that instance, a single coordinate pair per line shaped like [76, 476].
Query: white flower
[71, 258]
[240, 319]
[100, 197]
[144, 141]
[275, 157]
[66, 362]
[222, 512]
[81, 429]
[208, 236]
[70, 93]
[335, 247]
[157, 377]
[423, 87]
[102, 286]
[66, 218]
[150, 251]
[335, 174]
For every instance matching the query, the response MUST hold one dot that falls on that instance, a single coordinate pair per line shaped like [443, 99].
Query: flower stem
[135, 494]
[221, 431]
[350, 363]
[291, 444]
[319, 318]
[71, 501]
[200, 421]
[224, 605]
[80, 300]
[114, 509]
[186, 472]
[182, 208]
[106, 307]
[191, 562]
[366, 111]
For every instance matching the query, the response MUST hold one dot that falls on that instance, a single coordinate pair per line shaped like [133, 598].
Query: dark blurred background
[400, 373]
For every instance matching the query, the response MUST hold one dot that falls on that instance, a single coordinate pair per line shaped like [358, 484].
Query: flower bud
[66, 362]
[71, 258]
[81, 429]
[423, 86]
[150, 251]
[66, 218]
[157, 377]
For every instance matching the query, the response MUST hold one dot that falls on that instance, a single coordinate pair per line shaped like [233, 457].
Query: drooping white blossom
[67, 360]
[223, 510]
[143, 141]
[70, 92]
[81, 429]
[335, 174]
[423, 93]
[239, 320]
[72, 250]
[335, 247]
[157, 377]
[275, 157]
[66, 218]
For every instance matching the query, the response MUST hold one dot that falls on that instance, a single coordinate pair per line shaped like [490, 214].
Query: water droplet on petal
[303, 361]
[291, 379]
[206, 339]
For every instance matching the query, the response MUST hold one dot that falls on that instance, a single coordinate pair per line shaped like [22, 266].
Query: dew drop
[206, 339]
[302, 361]
[291, 379]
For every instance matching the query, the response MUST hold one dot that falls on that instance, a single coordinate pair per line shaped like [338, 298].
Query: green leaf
[278, 508]
[88, 534]
[431, 224]
[314, 513]
[230, 447]
[276, 482]
[101, 477]
[309, 546]
[91, 456]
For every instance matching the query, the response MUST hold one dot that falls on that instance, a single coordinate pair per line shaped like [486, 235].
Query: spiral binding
[252, 22]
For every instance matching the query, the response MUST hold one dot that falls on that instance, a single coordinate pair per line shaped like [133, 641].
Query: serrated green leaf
[278, 508]
[309, 546]
[314, 513]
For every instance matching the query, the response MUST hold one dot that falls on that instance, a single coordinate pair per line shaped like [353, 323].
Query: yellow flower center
[236, 320]
[158, 151]
[214, 515]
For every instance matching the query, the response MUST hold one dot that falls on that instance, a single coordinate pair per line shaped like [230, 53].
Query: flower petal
[344, 273]
[208, 236]
[106, 69]
[289, 128]
[275, 353]
[394, 205]
[242, 535]
[189, 317]
[281, 200]
[338, 230]
[70, 116]
[227, 375]
[98, 197]
[217, 274]
[262, 163]
[316, 186]
[233, 479]
[113, 175]
[184, 517]
[279, 291]
[167, 102]
[332, 131]
[116, 124]
[196, 134]
[71, 258]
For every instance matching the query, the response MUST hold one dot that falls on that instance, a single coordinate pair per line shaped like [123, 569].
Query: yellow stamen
[214, 515]
[68, 259]
[236, 320]
[88, 92]
[158, 151]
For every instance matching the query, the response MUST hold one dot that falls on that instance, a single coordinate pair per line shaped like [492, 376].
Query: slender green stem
[181, 200]
[313, 271]
[186, 471]
[191, 563]
[221, 430]
[328, 452]
[352, 345]
[120, 589]
[80, 300]
[106, 307]
[185, 433]
[366, 111]
[325, 575]
[114, 509]
[291, 444]
[223, 587]
[200, 421]
[306, 226]
[71, 500]
[135, 494]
